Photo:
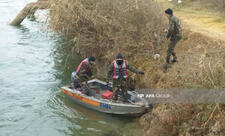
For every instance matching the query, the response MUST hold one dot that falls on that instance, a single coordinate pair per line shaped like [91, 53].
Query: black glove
[142, 72]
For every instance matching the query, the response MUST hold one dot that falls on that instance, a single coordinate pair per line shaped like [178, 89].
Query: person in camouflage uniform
[83, 73]
[175, 35]
[118, 71]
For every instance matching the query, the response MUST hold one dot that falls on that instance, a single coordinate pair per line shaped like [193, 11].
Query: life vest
[84, 61]
[116, 70]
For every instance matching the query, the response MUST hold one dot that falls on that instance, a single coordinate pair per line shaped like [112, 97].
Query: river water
[33, 65]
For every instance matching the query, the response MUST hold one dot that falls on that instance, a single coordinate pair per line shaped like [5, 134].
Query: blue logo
[106, 106]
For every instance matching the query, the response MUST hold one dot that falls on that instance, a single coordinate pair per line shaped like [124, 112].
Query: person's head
[119, 59]
[91, 60]
[169, 12]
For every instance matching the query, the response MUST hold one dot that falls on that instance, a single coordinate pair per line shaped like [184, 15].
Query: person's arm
[132, 69]
[110, 72]
[171, 28]
[89, 73]
[83, 69]
[178, 26]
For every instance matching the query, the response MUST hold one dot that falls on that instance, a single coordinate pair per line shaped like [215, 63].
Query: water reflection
[65, 62]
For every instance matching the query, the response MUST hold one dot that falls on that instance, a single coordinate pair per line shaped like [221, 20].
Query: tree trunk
[30, 8]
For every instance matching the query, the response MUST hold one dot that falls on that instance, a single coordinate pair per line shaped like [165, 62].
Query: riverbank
[201, 65]
[134, 28]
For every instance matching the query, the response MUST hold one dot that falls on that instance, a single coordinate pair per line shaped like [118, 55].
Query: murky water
[33, 66]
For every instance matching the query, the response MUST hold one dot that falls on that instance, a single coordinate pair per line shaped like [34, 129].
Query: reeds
[103, 26]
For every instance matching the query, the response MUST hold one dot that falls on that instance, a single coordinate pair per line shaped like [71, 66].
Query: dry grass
[216, 4]
[106, 27]
[185, 120]
[108, 24]
[201, 65]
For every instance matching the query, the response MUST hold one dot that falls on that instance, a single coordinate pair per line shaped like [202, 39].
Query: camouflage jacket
[83, 75]
[174, 30]
[111, 69]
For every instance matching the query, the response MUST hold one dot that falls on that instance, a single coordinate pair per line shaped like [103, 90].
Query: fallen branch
[29, 10]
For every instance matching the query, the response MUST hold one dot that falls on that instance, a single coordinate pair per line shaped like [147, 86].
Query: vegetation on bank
[213, 4]
[134, 27]
[216, 5]
[108, 27]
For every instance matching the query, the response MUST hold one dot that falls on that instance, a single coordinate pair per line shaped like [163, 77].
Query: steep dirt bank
[201, 65]
[95, 30]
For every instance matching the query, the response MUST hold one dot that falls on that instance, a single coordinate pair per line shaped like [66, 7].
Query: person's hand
[165, 30]
[142, 72]
[107, 83]
[83, 83]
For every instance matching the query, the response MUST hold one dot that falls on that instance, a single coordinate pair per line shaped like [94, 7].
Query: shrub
[106, 26]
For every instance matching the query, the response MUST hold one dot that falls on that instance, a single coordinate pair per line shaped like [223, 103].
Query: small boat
[94, 100]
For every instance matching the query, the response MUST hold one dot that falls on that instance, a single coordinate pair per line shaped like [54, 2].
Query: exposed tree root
[29, 10]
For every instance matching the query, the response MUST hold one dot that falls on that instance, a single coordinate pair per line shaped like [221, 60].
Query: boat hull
[104, 105]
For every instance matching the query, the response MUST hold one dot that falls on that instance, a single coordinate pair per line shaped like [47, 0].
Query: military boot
[174, 59]
[125, 97]
[165, 67]
[115, 96]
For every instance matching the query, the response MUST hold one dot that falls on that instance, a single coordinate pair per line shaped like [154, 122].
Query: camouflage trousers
[120, 84]
[170, 50]
[81, 82]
